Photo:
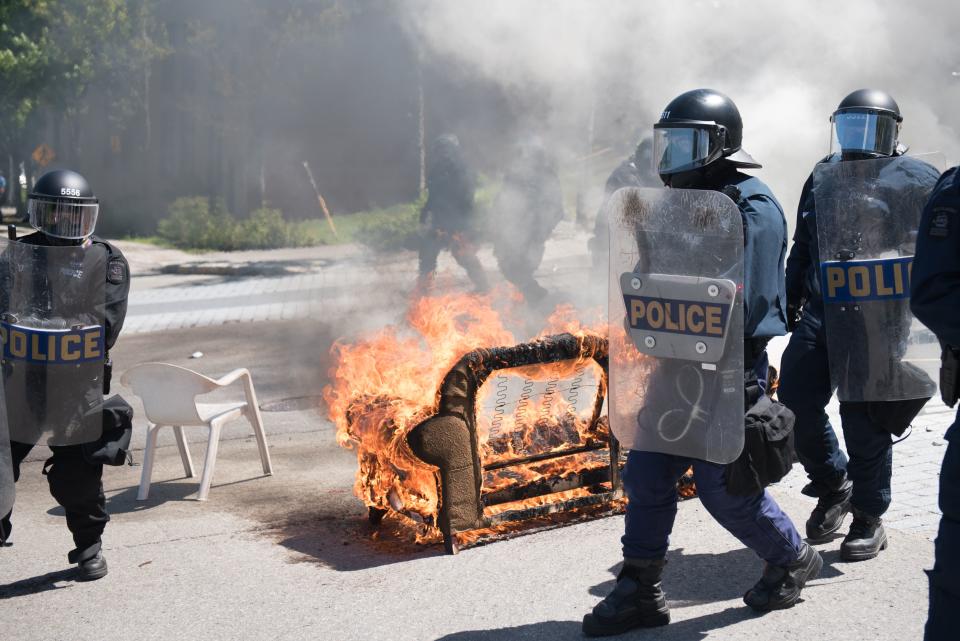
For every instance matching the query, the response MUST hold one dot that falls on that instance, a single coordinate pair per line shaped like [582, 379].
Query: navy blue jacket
[935, 281]
[803, 263]
[765, 246]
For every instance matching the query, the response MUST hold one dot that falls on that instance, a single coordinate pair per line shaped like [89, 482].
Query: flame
[385, 384]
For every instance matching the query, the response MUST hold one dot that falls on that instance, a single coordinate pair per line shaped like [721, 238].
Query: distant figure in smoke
[635, 171]
[527, 210]
[447, 215]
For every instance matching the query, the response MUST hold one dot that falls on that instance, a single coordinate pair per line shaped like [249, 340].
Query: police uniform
[650, 478]
[528, 208]
[447, 217]
[935, 300]
[806, 387]
[75, 482]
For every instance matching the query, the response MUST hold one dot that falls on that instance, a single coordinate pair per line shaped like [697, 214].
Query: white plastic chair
[169, 399]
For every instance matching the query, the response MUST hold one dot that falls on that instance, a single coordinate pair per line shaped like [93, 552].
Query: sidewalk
[290, 557]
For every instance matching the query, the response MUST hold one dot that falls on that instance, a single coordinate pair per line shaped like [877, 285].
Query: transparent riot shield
[7, 488]
[676, 323]
[53, 335]
[868, 212]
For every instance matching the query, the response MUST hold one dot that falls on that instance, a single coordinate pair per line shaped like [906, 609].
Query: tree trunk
[422, 133]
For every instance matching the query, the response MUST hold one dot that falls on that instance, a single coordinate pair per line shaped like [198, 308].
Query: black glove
[794, 314]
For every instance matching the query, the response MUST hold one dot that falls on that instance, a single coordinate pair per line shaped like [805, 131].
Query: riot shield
[53, 335]
[868, 212]
[676, 323]
[7, 488]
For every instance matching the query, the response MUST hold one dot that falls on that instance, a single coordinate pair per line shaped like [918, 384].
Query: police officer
[635, 171]
[935, 299]
[650, 478]
[63, 210]
[446, 219]
[865, 125]
[527, 209]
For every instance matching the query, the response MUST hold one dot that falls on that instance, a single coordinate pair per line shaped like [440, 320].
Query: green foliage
[51, 52]
[194, 224]
[266, 229]
[390, 229]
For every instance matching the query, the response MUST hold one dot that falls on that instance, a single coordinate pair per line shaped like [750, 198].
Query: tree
[52, 52]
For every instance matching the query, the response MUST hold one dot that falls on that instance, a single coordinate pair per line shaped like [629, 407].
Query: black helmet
[697, 128]
[643, 154]
[866, 124]
[62, 205]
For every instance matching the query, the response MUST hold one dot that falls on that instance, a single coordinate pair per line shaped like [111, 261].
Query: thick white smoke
[785, 64]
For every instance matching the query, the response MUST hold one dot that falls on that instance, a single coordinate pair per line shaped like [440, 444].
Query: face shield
[679, 147]
[874, 134]
[63, 218]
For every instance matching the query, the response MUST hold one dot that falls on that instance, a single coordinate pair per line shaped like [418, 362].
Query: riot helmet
[62, 205]
[866, 124]
[643, 154]
[696, 129]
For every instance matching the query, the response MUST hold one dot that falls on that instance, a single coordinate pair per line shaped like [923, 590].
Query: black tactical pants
[76, 485]
[944, 616]
[465, 252]
[518, 265]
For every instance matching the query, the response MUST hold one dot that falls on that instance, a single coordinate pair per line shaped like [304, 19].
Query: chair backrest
[169, 392]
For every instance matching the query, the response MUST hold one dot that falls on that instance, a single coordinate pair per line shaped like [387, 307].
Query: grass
[383, 229]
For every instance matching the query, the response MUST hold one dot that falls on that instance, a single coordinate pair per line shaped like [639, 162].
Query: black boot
[832, 506]
[779, 587]
[636, 602]
[93, 568]
[865, 539]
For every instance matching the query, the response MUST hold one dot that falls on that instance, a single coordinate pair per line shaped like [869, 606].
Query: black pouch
[890, 416]
[767, 448]
[113, 446]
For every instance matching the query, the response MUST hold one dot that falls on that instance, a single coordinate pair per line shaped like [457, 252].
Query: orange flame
[385, 384]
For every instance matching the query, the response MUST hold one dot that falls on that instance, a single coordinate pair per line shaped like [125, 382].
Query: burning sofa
[472, 442]
[451, 440]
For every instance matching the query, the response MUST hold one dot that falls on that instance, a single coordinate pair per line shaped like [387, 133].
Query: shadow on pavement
[42, 583]
[254, 268]
[690, 579]
[689, 630]
[161, 492]
[348, 543]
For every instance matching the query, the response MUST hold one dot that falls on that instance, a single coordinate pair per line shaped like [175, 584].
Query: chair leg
[149, 452]
[184, 452]
[256, 421]
[212, 445]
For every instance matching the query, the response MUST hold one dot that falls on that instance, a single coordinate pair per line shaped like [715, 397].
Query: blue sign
[861, 280]
[677, 316]
[52, 346]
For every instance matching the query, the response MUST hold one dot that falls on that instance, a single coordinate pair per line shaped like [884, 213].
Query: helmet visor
[63, 218]
[677, 149]
[863, 132]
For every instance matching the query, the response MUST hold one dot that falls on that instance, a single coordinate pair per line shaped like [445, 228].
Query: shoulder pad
[116, 270]
[733, 193]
